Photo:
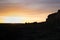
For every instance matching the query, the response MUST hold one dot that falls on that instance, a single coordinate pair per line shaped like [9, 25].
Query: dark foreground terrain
[49, 30]
[28, 32]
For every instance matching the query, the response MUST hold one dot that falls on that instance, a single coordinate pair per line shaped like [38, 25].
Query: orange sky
[28, 15]
[26, 10]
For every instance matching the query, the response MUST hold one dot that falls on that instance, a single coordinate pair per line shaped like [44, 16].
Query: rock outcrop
[54, 18]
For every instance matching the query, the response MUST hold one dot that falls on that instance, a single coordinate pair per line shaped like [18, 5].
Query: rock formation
[54, 18]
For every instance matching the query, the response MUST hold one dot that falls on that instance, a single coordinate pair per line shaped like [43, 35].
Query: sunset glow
[21, 11]
[13, 20]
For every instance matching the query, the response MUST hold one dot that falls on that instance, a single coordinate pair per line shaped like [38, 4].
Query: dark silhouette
[54, 18]
[49, 30]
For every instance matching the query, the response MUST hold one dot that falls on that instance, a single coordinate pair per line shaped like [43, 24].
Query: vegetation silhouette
[49, 30]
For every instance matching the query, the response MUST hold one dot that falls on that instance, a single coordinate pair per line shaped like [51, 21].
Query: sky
[27, 10]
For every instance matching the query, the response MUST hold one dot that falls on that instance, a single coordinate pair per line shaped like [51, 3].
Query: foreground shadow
[49, 30]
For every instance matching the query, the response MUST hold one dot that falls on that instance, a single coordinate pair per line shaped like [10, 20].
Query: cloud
[33, 4]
